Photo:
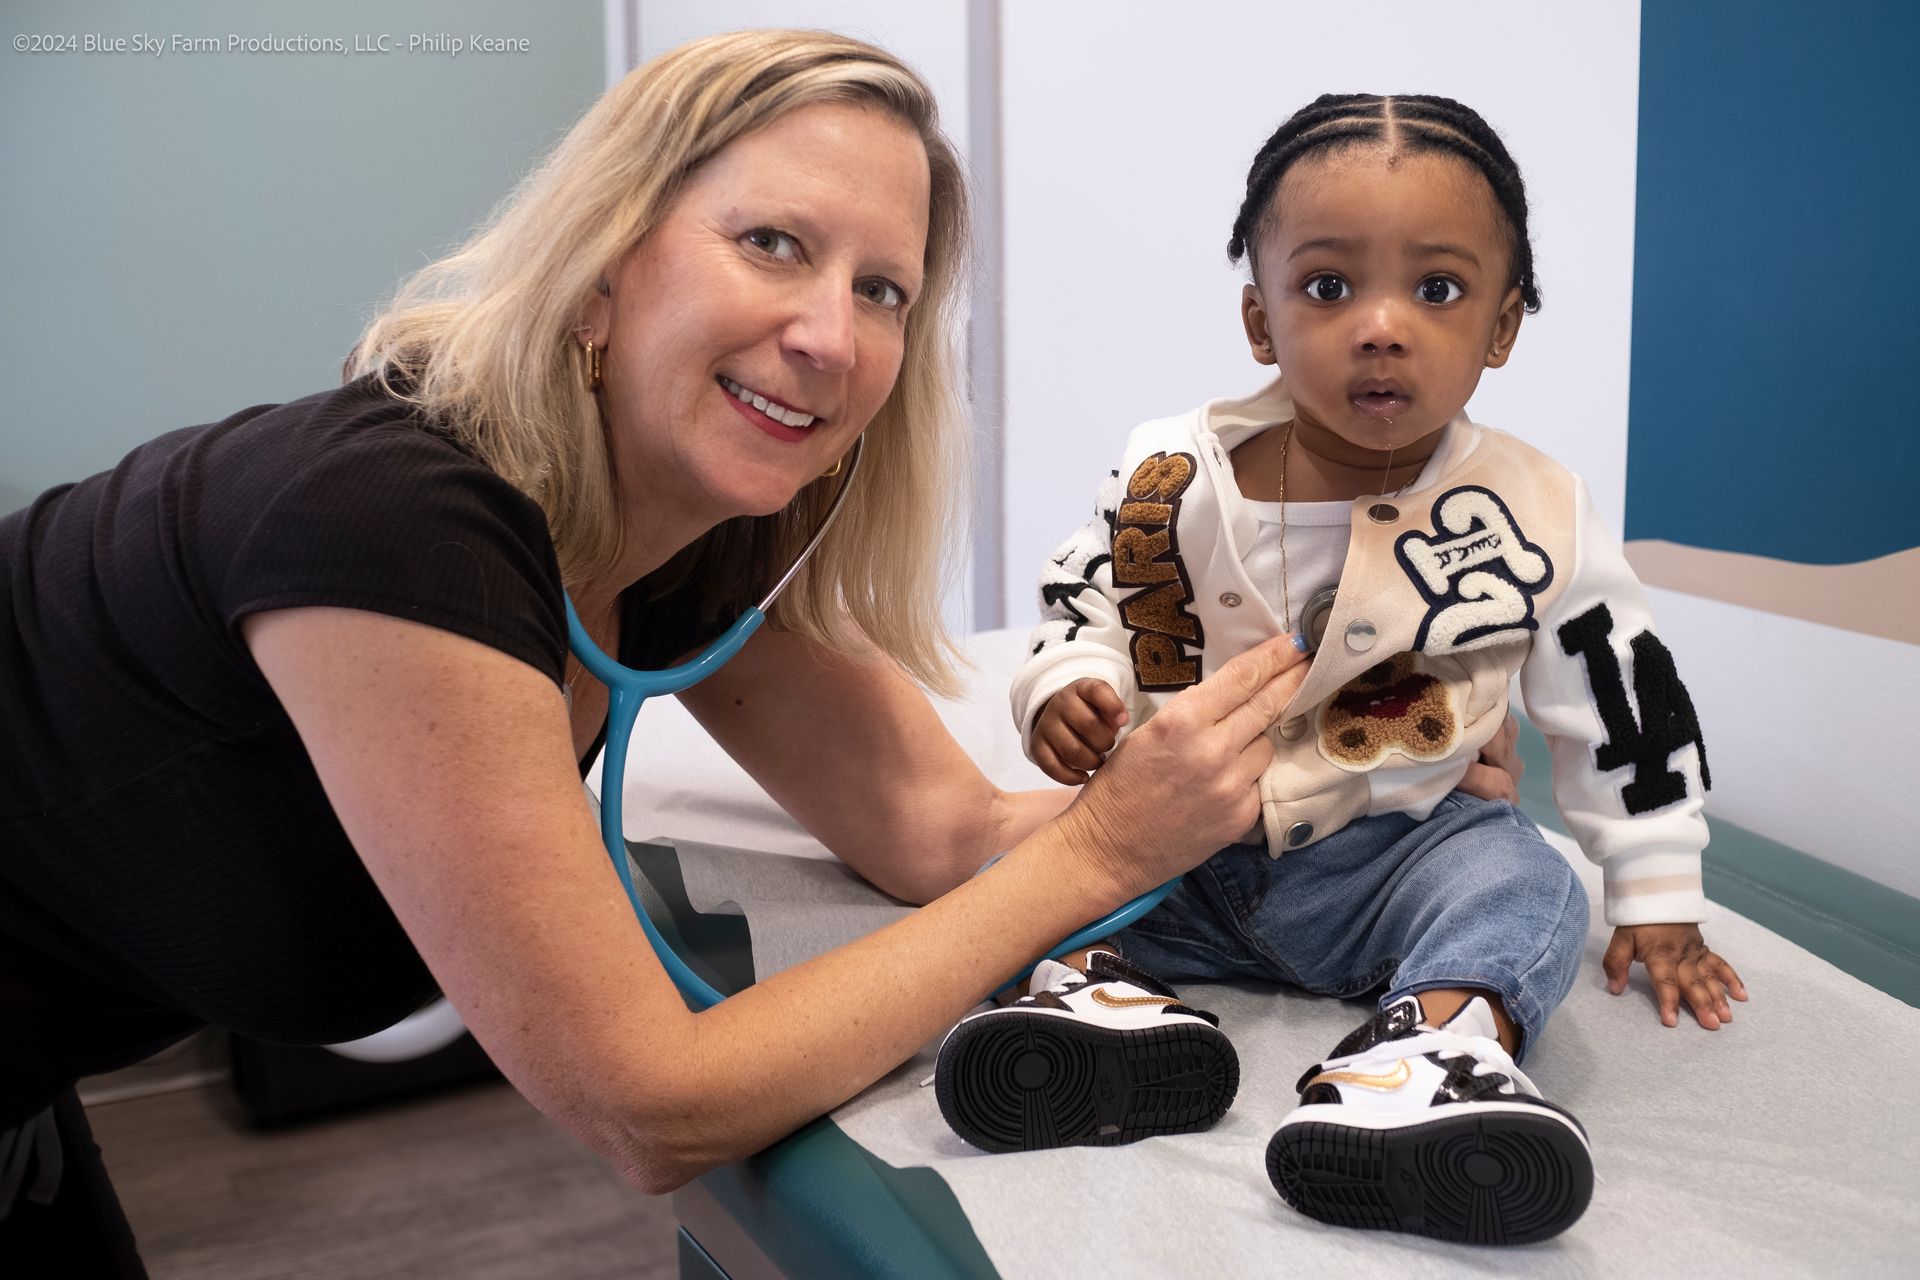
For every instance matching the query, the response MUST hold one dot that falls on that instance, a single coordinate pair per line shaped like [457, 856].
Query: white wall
[1125, 157]
[930, 35]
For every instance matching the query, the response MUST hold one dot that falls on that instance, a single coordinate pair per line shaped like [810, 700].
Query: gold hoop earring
[594, 381]
[834, 470]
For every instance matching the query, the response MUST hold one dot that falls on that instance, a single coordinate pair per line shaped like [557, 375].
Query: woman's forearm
[1018, 814]
[799, 1043]
[945, 840]
[927, 816]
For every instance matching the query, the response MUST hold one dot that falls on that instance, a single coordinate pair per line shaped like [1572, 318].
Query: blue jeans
[1473, 896]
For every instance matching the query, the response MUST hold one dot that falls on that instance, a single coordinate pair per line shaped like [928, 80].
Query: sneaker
[1095, 1059]
[1431, 1130]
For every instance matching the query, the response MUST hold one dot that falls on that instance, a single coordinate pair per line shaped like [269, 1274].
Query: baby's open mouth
[1381, 403]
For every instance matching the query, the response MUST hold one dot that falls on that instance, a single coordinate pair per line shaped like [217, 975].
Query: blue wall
[1776, 290]
[185, 235]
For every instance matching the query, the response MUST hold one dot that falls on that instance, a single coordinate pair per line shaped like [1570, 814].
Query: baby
[1425, 560]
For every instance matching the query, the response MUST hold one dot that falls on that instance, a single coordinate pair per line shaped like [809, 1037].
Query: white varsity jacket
[1498, 565]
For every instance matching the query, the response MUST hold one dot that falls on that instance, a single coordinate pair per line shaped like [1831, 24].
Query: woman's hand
[1186, 782]
[1076, 730]
[1496, 774]
[1682, 969]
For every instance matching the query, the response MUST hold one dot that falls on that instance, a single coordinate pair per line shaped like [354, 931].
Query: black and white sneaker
[1094, 1059]
[1434, 1131]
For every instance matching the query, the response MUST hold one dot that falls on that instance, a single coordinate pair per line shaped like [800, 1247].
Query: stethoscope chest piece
[1314, 617]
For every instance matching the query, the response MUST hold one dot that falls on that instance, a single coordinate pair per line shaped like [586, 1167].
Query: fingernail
[1299, 642]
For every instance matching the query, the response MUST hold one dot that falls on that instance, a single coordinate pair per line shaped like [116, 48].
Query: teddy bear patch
[1391, 706]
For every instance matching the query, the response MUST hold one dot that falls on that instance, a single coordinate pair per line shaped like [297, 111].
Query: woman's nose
[821, 332]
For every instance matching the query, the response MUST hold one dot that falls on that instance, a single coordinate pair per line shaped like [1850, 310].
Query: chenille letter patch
[1477, 573]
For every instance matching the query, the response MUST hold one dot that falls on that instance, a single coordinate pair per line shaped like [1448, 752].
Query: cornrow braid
[1417, 122]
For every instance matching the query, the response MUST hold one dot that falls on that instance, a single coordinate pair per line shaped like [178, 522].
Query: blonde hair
[483, 341]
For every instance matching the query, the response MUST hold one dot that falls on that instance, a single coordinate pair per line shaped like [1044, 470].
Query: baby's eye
[773, 243]
[1440, 290]
[882, 292]
[1328, 288]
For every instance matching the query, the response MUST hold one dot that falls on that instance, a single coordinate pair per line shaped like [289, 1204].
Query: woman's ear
[1506, 329]
[1253, 315]
[595, 324]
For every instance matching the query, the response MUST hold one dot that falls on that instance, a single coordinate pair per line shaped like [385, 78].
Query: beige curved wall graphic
[1879, 597]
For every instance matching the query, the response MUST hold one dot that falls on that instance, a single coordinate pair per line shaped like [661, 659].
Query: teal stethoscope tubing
[629, 689]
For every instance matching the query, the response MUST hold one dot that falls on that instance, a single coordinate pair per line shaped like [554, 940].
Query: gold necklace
[1286, 595]
[1286, 600]
[577, 667]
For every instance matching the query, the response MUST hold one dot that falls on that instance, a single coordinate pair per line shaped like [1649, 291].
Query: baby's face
[1381, 291]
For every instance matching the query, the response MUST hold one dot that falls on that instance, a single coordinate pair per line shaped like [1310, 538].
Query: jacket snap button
[1298, 834]
[1292, 729]
[1383, 513]
[1361, 635]
[1231, 599]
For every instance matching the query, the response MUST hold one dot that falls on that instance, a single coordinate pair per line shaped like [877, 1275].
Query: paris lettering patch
[1477, 573]
[1146, 554]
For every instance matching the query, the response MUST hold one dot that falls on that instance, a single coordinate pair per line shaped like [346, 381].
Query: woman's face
[782, 272]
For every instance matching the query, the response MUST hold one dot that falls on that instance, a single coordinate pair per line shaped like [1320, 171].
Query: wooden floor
[473, 1184]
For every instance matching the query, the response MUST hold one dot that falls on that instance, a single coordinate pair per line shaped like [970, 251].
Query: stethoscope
[629, 690]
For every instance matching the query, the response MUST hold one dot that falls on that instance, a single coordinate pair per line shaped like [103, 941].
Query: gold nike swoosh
[1100, 996]
[1393, 1079]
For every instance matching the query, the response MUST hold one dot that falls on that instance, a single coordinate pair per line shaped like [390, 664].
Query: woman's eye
[775, 244]
[1439, 289]
[1328, 289]
[882, 293]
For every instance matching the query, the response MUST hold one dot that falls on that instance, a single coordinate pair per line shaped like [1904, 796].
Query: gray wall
[188, 234]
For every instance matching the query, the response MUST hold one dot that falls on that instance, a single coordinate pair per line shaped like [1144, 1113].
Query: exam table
[1787, 1144]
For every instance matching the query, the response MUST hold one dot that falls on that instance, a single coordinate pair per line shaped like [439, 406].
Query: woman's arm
[929, 816]
[817, 729]
[447, 764]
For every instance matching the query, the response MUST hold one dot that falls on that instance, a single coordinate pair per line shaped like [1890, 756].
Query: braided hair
[1415, 123]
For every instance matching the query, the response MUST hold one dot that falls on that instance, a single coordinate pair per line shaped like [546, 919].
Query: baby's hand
[1076, 729]
[1681, 967]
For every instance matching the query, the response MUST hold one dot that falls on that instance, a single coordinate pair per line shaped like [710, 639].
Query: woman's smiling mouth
[785, 415]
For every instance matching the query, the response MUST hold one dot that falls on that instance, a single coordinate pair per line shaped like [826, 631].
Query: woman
[291, 731]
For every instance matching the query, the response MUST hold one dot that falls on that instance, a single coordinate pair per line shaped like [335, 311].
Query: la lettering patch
[1477, 573]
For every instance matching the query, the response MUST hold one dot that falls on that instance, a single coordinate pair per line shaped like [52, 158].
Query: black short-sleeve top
[167, 855]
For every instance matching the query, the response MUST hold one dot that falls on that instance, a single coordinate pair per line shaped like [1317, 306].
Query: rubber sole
[1023, 1082]
[1503, 1178]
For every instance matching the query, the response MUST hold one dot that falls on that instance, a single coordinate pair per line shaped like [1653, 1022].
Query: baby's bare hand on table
[1682, 968]
[1076, 730]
